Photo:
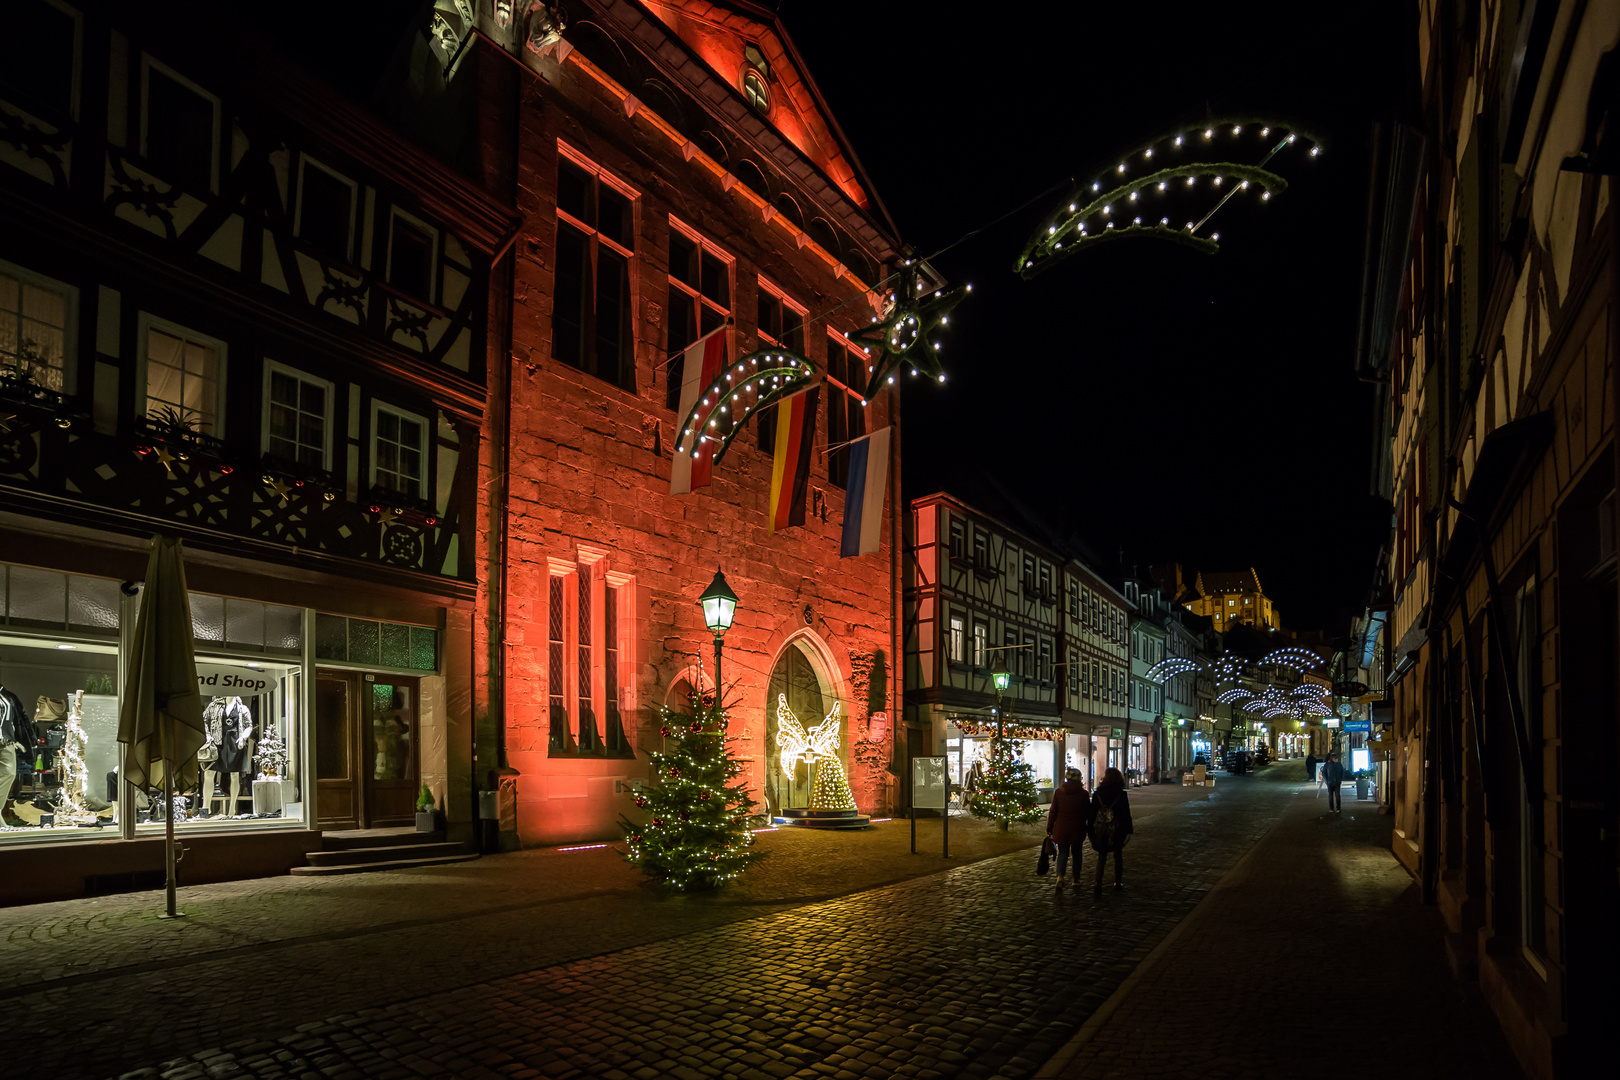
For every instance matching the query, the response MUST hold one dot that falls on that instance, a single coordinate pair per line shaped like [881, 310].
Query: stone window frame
[767, 416]
[674, 364]
[597, 240]
[602, 733]
[841, 432]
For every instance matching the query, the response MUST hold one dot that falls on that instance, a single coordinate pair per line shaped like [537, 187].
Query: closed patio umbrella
[160, 714]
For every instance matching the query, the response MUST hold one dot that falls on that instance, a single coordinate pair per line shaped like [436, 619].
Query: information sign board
[1358, 725]
[930, 783]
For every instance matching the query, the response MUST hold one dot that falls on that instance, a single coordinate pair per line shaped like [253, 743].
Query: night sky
[1182, 406]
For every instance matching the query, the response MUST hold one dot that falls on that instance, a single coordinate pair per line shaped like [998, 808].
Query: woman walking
[1067, 822]
[1110, 826]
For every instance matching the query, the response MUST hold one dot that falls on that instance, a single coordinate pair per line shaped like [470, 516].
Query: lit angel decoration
[819, 748]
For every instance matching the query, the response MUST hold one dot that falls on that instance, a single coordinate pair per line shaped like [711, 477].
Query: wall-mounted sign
[228, 680]
[1358, 725]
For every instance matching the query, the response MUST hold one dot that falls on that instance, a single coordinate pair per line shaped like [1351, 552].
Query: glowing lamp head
[719, 605]
[1000, 675]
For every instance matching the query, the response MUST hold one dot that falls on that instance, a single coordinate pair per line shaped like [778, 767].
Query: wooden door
[389, 734]
[337, 753]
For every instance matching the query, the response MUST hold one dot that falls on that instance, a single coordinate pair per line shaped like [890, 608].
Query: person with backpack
[1110, 826]
[1067, 821]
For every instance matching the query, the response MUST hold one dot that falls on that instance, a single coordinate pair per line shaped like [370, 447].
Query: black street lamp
[719, 605]
[1001, 677]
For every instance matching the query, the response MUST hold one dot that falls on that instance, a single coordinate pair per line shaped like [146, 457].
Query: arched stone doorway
[801, 673]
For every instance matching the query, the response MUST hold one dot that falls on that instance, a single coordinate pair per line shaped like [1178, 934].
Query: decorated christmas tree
[1007, 792]
[697, 834]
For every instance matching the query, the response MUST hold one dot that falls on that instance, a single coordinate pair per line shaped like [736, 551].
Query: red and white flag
[693, 462]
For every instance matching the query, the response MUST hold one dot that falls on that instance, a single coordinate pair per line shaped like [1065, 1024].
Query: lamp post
[719, 604]
[1001, 677]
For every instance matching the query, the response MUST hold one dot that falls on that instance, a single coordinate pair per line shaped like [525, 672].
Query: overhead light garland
[1293, 656]
[1147, 192]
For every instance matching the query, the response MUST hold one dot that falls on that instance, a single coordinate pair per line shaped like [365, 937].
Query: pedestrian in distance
[1310, 765]
[1067, 822]
[1333, 776]
[1110, 827]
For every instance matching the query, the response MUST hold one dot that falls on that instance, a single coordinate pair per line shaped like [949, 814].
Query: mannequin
[234, 748]
[16, 733]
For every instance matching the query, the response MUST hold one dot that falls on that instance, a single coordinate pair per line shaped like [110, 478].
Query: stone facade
[589, 511]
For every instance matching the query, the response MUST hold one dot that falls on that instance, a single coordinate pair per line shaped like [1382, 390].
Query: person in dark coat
[1310, 765]
[1068, 821]
[1333, 776]
[1110, 826]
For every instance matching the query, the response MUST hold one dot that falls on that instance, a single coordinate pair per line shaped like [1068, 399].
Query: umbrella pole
[168, 819]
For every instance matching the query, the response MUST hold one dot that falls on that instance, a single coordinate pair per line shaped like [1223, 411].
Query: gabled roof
[719, 31]
[1228, 581]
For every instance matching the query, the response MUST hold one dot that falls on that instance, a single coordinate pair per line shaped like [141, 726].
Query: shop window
[179, 129]
[592, 309]
[298, 425]
[49, 600]
[413, 253]
[325, 212]
[37, 321]
[699, 301]
[781, 324]
[184, 376]
[398, 450]
[846, 408]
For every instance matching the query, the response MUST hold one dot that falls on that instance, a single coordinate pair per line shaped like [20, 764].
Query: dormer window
[756, 80]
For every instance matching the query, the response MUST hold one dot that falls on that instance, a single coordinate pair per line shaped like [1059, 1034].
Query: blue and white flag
[863, 498]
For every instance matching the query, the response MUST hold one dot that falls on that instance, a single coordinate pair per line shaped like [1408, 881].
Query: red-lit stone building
[676, 168]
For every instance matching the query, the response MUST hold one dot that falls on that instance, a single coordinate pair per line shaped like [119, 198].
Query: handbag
[48, 710]
[1048, 849]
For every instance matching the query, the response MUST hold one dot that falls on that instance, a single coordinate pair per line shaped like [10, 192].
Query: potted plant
[427, 817]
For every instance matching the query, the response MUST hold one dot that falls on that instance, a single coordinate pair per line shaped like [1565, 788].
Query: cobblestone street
[842, 956]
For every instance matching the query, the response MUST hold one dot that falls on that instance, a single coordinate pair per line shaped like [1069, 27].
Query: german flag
[790, 468]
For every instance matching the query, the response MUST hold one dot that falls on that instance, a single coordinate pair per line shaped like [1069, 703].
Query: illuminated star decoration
[166, 456]
[904, 339]
[819, 747]
[754, 382]
[1170, 189]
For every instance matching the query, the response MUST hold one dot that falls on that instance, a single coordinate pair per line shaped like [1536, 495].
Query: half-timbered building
[1095, 646]
[238, 308]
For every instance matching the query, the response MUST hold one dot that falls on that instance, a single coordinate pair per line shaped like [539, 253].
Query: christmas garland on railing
[1011, 731]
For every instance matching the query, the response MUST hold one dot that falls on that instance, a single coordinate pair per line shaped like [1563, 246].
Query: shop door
[389, 732]
[366, 734]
